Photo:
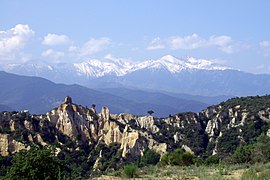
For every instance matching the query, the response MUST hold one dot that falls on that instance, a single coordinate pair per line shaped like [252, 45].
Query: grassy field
[215, 172]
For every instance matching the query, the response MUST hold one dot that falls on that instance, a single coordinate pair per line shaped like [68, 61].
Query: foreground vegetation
[250, 161]
[205, 172]
[247, 162]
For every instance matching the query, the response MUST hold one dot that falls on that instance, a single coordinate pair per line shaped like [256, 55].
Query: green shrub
[261, 152]
[177, 157]
[164, 160]
[214, 159]
[242, 154]
[37, 163]
[130, 170]
[150, 157]
[187, 158]
[198, 161]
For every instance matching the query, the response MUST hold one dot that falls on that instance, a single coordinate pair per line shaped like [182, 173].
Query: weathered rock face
[80, 124]
[237, 121]
[4, 144]
[10, 146]
[105, 113]
[216, 129]
[72, 120]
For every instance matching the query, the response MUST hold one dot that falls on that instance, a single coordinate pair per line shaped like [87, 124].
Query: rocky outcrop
[105, 113]
[74, 127]
[4, 144]
[10, 146]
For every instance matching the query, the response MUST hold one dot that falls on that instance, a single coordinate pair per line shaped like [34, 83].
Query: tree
[150, 112]
[37, 163]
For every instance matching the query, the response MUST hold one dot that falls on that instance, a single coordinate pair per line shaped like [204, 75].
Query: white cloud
[55, 39]
[187, 42]
[265, 44]
[194, 41]
[14, 39]
[156, 44]
[265, 48]
[220, 40]
[53, 54]
[90, 47]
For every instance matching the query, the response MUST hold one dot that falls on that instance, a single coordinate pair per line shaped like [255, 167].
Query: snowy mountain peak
[114, 66]
[169, 58]
[175, 65]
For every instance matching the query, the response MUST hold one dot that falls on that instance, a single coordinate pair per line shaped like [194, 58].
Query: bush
[198, 161]
[261, 152]
[130, 170]
[214, 159]
[149, 157]
[177, 157]
[187, 159]
[164, 160]
[37, 163]
[242, 154]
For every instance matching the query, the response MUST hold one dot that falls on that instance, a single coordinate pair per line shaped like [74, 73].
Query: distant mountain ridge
[40, 95]
[96, 68]
[168, 73]
[5, 108]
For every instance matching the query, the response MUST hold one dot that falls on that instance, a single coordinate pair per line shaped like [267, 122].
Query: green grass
[203, 172]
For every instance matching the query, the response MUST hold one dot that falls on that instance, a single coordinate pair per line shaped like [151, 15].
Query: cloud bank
[194, 41]
[14, 39]
[90, 47]
[55, 39]
[53, 54]
[265, 48]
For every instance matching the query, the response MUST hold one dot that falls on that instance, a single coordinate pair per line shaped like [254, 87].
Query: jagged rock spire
[68, 100]
[105, 113]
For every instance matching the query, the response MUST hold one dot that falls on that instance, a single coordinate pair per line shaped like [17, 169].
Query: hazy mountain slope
[5, 108]
[157, 98]
[40, 95]
[164, 96]
[211, 100]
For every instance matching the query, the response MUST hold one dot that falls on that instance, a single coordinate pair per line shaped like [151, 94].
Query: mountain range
[40, 95]
[167, 74]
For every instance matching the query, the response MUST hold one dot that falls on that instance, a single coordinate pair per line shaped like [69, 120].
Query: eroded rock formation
[74, 127]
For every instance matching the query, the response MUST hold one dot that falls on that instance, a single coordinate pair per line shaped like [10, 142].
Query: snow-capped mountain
[94, 68]
[98, 68]
[168, 73]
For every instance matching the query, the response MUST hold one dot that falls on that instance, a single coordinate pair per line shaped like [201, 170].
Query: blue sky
[234, 33]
